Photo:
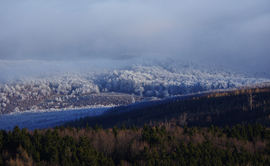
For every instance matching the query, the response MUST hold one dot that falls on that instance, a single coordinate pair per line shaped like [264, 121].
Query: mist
[234, 34]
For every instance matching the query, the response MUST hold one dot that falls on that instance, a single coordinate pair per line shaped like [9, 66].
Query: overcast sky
[229, 32]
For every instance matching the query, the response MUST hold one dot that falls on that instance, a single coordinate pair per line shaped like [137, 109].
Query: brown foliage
[21, 159]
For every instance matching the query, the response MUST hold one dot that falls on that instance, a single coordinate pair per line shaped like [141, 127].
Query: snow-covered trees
[161, 82]
[158, 79]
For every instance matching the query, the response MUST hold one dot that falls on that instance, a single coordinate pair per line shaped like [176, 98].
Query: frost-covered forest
[36, 85]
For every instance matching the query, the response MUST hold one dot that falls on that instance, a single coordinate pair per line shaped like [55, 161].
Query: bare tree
[250, 99]
[183, 119]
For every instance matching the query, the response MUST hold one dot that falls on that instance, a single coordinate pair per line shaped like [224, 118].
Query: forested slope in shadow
[221, 109]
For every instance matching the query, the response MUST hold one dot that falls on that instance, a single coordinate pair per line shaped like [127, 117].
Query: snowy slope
[35, 85]
[46, 118]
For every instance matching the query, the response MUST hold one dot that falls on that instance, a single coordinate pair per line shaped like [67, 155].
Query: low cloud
[231, 33]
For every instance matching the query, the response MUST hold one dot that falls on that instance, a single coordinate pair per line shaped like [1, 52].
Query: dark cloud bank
[228, 32]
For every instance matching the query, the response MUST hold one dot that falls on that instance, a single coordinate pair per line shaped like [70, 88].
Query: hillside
[41, 85]
[221, 109]
[225, 128]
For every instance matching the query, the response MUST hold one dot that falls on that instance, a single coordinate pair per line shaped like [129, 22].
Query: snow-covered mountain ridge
[36, 85]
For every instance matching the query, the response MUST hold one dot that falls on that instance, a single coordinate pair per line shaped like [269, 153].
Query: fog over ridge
[231, 33]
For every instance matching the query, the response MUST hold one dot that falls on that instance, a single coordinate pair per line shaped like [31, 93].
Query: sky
[232, 33]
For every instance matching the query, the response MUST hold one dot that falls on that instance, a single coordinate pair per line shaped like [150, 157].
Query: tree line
[162, 144]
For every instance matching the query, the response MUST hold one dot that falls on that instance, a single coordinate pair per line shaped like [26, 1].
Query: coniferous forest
[228, 128]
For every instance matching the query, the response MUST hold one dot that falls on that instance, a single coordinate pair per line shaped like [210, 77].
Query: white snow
[29, 80]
